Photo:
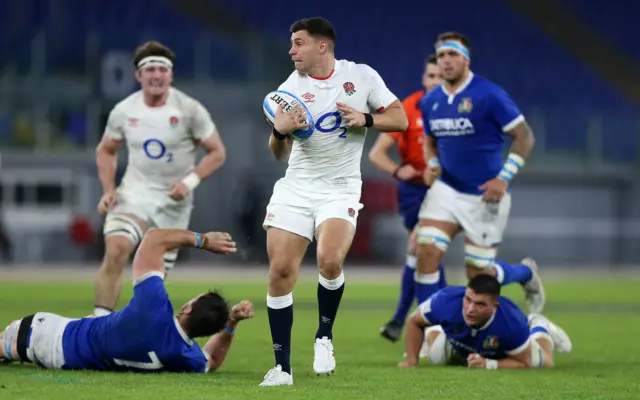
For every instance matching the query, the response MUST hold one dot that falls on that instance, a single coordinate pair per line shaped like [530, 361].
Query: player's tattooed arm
[523, 140]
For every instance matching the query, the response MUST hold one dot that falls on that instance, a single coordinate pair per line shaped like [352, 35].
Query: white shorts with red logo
[301, 212]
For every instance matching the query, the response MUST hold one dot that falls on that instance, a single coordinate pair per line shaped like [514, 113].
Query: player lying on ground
[411, 188]
[319, 196]
[163, 128]
[144, 335]
[466, 120]
[477, 327]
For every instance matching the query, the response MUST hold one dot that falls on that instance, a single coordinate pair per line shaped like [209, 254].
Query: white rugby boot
[323, 360]
[561, 341]
[533, 290]
[277, 377]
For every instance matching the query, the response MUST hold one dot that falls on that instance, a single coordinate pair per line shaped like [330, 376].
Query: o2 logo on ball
[333, 128]
[156, 150]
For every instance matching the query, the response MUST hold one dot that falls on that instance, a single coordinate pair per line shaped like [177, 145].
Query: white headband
[155, 61]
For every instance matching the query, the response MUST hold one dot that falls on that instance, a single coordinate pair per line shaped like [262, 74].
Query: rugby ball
[276, 98]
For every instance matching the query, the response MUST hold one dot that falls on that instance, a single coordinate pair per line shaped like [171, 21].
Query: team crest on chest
[465, 105]
[491, 342]
[173, 121]
[349, 88]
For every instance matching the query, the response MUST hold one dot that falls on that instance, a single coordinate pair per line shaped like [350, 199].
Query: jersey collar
[181, 331]
[459, 90]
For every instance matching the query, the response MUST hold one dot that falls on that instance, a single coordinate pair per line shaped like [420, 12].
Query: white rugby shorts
[483, 223]
[301, 212]
[45, 342]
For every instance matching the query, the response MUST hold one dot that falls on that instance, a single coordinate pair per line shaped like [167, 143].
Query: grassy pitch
[602, 317]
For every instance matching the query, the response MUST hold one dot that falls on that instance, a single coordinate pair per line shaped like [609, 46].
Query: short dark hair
[317, 27]
[485, 284]
[443, 37]
[209, 315]
[152, 48]
[432, 59]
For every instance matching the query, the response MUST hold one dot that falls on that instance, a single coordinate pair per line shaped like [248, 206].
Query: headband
[455, 46]
[155, 61]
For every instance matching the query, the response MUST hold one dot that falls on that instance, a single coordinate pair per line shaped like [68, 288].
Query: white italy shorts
[301, 212]
[45, 341]
[482, 222]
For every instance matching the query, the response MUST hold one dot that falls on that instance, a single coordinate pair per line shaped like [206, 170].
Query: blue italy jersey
[507, 332]
[469, 128]
[143, 336]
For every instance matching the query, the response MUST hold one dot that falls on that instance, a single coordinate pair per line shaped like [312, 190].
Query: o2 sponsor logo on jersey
[155, 149]
[337, 121]
[451, 127]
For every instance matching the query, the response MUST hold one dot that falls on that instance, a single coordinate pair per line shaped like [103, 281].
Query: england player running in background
[411, 188]
[477, 327]
[163, 128]
[465, 120]
[145, 335]
[320, 194]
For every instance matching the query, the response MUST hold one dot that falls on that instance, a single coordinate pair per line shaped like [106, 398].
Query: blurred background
[571, 66]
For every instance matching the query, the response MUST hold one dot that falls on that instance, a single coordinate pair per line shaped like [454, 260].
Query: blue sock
[280, 311]
[426, 285]
[407, 290]
[443, 279]
[329, 296]
[507, 273]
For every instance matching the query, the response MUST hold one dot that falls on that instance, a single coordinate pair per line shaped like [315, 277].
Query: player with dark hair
[163, 129]
[144, 336]
[319, 196]
[477, 327]
[411, 187]
[465, 121]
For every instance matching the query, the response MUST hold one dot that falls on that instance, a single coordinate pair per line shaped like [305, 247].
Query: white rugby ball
[279, 97]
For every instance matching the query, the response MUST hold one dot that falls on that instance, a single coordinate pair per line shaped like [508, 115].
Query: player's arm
[149, 258]
[107, 150]
[379, 153]
[206, 134]
[506, 113]
[280, 146]
[430, 149]
[218, 346]
[391, 118]
[517, 345]
[424, 316]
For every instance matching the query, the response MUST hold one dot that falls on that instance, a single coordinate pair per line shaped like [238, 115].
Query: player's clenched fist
[107, 201]
[494, 189]
[475, 360]
[219, 242]
[179, 191]
[287, 123]
[242, 310]
[433, 171]
[351, 116]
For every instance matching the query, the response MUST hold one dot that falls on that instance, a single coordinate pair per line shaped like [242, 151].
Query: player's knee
[281, 271]
[479, 258]
[330, 264]
[117, 252]
[434, 239]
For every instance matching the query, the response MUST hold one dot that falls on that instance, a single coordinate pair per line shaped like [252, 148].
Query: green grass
[602, 318]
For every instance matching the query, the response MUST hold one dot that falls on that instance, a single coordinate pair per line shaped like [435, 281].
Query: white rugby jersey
[162, 141]
[329, 160]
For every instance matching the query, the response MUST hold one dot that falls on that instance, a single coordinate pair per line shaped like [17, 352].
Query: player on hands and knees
[122, 341]
[477, 327]
[163, 128]
[465, 120]
[320, 192]
[411, 188]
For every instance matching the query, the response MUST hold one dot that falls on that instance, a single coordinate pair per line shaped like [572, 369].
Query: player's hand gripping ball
[288, 115]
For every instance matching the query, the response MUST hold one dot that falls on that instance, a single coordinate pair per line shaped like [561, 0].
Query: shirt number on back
[156, 150]
[335, 127]
[153, 365]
